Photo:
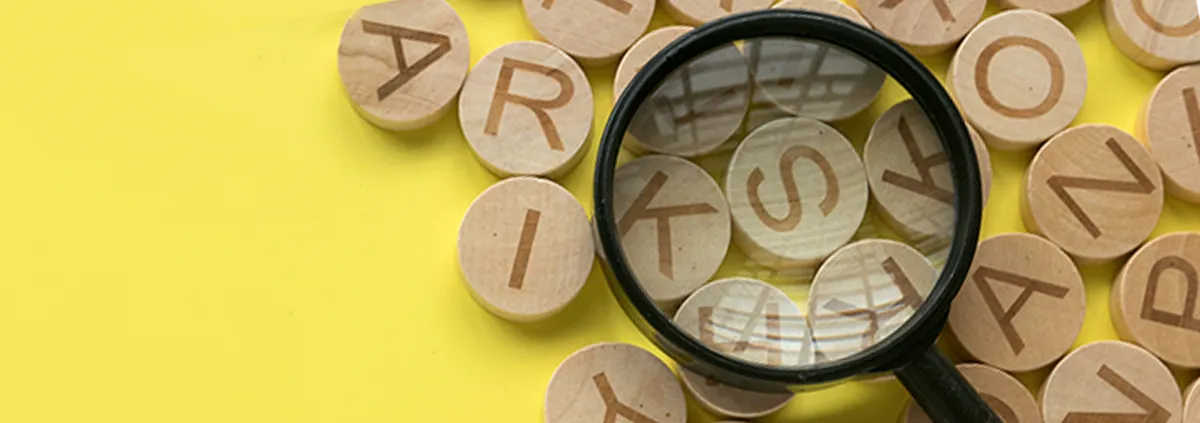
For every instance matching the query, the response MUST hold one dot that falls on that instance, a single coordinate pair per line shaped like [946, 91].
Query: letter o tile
[795, 179]
[924, 27]
[596, 32]
[526, 109]
[1154, 300]
[1158, 34]
[1022, 305]
[1111, 381]
[390, 83]
[1170, 125]
[1020, 78]
[674, 225]
[525, 248]
[1095, 191]
[1004, 393]
[614, 379]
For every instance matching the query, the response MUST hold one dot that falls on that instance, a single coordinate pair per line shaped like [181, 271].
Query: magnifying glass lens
[784, 202]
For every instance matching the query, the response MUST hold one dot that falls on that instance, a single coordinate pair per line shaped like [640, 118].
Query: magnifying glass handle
[942, 391]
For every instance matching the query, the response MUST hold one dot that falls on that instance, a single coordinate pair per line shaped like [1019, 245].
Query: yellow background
[195, 226]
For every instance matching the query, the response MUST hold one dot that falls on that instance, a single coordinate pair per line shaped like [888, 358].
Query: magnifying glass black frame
[910, 352]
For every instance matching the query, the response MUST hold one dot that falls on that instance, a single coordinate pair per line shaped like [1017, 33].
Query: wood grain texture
[641, 52]
[696, 12]
[526, 109]
[697, 109]
[829, 7]
[1020, 78]
[1052, 7]
[727, 401]
[1004, 393]
[610, 382]
[1155, 297]
[797, 192]
[1111, 381]
[1191, 398]
[674, 225]
[402, 63]
[525, 248]
[1022, 305]
[984, 157]
[595, 32]
[794, 77]
[863, 293]
[924, 27]
[1170, 126]
[909, 176]
[1158, 34]
[750, 320]
[1095, 191]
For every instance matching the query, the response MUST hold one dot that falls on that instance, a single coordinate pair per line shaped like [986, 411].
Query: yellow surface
[197, 227]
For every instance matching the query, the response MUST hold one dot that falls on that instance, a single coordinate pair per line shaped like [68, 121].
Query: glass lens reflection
[784, 202]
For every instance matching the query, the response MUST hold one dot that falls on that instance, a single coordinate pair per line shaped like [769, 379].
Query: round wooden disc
[696, 12]
[525, 248]
[526, 109]
[911, 184]
[1019, 90]
[1053, 7]
[1004, 393]
[1111, 381]
[641, 52]
[403, 62]
[697, 109]
[985, 163]
[614, 378]
[1023, 304]
[925, 27]
[750, 320]
[1191, 398]
[1171, 127]
[1095, 191]
[1158, 34]
[594, 31]
[794, 77]
[797, 192]
[1154, 301]
[674, 225]
[829, 7]
[863, 293]
[728, 401]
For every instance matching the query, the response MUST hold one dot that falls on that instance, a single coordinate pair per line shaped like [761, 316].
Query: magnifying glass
[792, 196]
